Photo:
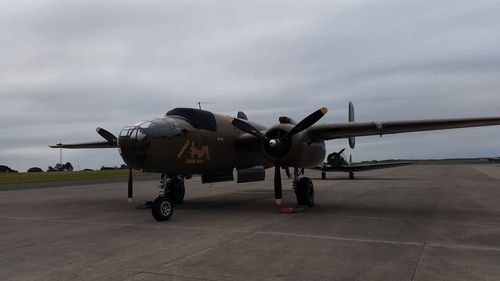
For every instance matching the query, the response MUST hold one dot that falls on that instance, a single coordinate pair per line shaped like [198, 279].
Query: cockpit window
[200, 119]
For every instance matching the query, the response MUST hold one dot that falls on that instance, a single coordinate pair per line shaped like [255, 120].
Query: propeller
[112, 140]
[337, 155]
[130, 186]
[278, 144]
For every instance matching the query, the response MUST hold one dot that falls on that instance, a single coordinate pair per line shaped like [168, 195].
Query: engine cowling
[299, 151]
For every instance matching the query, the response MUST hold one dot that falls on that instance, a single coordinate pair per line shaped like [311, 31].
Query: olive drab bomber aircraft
[188, 141]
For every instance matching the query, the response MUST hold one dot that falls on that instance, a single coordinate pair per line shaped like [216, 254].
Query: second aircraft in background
[335, 162]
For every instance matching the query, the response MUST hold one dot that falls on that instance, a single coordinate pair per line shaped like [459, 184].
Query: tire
[305, 192]
[323, 175]
[178, 190]
[162, 209]
[351, 175]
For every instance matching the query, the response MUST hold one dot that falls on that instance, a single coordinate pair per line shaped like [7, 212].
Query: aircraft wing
[366, 167]
[361, 167]
[97, 144]
[355, 129]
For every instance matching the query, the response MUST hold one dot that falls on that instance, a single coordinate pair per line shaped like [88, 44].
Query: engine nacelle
[300, 151]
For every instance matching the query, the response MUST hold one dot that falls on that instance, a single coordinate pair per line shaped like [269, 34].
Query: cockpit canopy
[199, 119]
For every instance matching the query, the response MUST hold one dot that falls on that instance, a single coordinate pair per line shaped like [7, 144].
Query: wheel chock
[292, 210]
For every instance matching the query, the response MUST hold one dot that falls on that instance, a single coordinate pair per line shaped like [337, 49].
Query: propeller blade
[246, 127]
[130, 186]
[277, 184]
[112, 140]
[306, 122]
[339, 154]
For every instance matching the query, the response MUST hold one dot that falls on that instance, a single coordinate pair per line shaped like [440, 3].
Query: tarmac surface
[405, 223]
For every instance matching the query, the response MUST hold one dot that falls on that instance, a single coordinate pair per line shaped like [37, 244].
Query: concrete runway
[405, 223]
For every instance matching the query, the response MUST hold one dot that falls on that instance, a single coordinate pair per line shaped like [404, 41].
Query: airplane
[335, 162]
[494, 160]
[188, 141]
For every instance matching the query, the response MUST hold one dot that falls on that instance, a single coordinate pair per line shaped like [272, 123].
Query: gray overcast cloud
[70, 66]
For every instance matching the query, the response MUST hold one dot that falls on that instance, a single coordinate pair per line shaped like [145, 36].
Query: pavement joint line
[418, 260]
[211, 247]
[381, 217]
[125, 224]
[375, 241]
[464, 247]
[229, 230]
[335, 238]
[169, 274]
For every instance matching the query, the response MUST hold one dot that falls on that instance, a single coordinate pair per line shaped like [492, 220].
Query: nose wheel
[162, 208]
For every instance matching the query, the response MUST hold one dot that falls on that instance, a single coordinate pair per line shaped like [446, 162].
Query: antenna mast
[202, 102]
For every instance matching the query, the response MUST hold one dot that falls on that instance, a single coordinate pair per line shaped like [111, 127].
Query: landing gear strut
[172, 191]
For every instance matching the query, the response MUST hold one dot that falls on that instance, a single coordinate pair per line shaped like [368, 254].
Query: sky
[68, 67]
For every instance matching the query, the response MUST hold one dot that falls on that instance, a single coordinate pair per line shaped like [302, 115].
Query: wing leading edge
[361, 167]
[97, 144]
[357, 129]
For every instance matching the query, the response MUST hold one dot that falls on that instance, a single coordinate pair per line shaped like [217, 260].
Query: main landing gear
[303, 187]
[172, 191]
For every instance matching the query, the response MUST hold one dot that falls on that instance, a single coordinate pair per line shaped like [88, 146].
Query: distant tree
[68, 167]
[88, 170]
[6, 169]
[61, 167]
[123, 167]
[104, 168]
[35, 170]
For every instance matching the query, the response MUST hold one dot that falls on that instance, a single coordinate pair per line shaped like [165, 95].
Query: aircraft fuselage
[178, 145]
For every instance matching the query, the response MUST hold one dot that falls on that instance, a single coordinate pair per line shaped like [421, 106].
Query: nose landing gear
[172, 191]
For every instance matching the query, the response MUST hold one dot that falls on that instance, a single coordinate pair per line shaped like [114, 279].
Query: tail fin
[242, 115]
[352, 140]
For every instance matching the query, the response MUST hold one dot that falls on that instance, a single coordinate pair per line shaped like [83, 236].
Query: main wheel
[162, 208]
[178, 190]
[323, 175]
[351, 175]
[305, 192]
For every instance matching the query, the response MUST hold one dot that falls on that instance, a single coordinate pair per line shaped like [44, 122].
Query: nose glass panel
[134, 145]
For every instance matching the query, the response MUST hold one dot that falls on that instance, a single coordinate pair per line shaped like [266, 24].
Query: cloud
[70, 66]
